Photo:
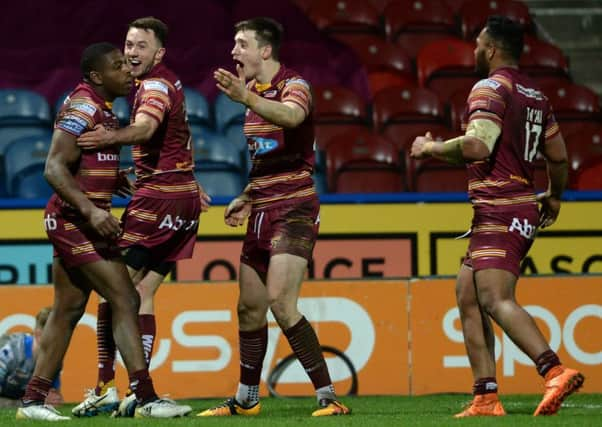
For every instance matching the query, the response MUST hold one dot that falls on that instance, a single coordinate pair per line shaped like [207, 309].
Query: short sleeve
[297, 90]
[78, 116]
[154, 99]
[487, 101]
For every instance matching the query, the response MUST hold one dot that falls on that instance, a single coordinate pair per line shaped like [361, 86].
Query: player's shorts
[290, 229]
[75, 242]
[166, 226]
[502, 239]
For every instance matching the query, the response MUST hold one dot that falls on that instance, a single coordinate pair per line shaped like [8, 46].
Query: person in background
[18, 353]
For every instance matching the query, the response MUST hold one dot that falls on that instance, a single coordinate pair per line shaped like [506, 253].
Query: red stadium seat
[541, 59]
[431, 175]
[345, 16]
[589, 133]
[408, 104]
[414, 23]
[303, 5]
[457, 106]
[404, 112]
[455, 5]
[338, 104]
[446, 66]
[337, 110]
[380, 5]
[474, 13]
[402, 135]
[573, 102]
[585, 166]
[363, 162]
[386, 63]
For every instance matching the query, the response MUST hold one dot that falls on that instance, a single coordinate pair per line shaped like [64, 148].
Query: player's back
[517, 105]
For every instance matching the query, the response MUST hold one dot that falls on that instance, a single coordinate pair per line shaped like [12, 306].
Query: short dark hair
[151, 23]
[93, 57]
[508, 34]
[42, 317]
[267, 31]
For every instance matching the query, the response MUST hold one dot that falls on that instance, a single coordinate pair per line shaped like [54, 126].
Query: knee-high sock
[106, 347]
[148, 331]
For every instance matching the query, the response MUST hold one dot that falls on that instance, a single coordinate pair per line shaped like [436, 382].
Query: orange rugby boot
[483, 405]
[329, 407]
[561, 382]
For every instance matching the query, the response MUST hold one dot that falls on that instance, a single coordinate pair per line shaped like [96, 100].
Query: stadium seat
[543, 61]
[337, 110]
[402, 135]
[303, 5]
[446, 66]
[585, 166]
[431, 175]
[386, 63]
[338, 104]
[25, 159]
[589, 133]
[474, 13]
[402, 113]
[414, 23]
[455, 5]
[319, 178]
[574, 105]
[345, 16]
[213, 151]
[21, 107]
[197, 107]
[457, 106]
[363, 162]
[235, 135]
[573, 101]
[121, 108]
[225, 183]
[228, 112]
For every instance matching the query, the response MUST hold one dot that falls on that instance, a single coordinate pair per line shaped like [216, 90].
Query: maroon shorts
[502, 239]
[290, 229]
[75, 242]
[166, 226]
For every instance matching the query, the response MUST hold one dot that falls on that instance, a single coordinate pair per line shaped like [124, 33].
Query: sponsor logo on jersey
[270, 94]
[529, 92]
[155, 85]
[178, 85]
[73, 124]
[297, 81]
[261, 146]
[88, 109]
[107, 157]
[487, 83]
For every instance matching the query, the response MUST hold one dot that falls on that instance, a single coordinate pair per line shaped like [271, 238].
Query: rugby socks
[304, 342]
[106, 349]
[253, 346]
[36, 391]
[484, 386]
[142, 385]
[148, 332]
[546, 361]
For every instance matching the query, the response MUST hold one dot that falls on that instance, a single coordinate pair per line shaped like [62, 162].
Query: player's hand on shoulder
[237, 211]
[104, 223]
[548, 210]
[97, 138]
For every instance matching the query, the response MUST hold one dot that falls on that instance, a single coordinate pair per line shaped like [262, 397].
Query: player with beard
[509, 120]
[161, 221]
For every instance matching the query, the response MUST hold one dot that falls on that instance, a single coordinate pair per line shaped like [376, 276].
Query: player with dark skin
[486, 284]
[83, 233]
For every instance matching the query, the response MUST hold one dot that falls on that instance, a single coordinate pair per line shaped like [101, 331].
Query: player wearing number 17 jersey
[508, 120]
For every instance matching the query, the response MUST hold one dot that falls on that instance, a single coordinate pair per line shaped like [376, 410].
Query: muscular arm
[285, 114]
[476, 144]
[63, 155]
[556, 158]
